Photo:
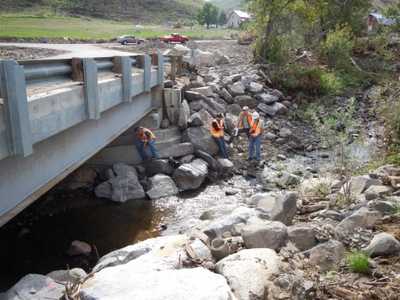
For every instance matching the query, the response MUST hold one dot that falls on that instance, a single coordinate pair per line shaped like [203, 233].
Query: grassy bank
[32, 26]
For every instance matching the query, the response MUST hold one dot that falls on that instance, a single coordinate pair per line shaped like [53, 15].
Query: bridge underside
[55, 158]
[64, 128]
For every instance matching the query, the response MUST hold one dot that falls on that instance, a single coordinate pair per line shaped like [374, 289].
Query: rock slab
[249, 272]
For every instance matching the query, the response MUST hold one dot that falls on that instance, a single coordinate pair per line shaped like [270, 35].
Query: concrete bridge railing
[56, 114]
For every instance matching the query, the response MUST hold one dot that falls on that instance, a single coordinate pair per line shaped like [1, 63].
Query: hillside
[228, 4]
[150, 11]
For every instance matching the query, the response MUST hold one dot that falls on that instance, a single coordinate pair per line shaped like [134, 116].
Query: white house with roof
[236, 18]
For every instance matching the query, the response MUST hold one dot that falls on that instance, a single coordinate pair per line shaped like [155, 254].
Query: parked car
[129, 39]
[175, 38]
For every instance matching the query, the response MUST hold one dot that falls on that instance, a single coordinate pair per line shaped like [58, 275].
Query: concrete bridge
[56, 114]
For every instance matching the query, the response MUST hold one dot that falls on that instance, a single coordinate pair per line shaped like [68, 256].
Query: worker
[145, 138]
[217, 132]
[245, 121]
[255, 134]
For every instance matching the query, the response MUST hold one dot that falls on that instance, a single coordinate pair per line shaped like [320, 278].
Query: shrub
[338, 47]
[358, 262]
[277, 50]
[311, 80]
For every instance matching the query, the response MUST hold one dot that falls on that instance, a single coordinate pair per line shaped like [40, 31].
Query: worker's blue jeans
[141, 147]
[222, 147]
[255, 145]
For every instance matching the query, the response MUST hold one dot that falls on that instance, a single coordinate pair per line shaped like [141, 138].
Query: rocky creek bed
[229, 229]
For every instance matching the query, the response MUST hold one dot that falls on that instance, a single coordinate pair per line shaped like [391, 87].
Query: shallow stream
[37, 240]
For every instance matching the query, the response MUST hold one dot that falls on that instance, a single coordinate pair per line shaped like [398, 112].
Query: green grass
[358, 262]
[37, 26]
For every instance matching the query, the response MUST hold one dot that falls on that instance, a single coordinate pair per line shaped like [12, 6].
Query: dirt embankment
[20, 53]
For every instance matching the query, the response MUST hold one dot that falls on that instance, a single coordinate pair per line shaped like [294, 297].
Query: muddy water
[39, 245]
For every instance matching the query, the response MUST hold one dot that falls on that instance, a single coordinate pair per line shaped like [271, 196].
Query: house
[376, 20]
[236, 18]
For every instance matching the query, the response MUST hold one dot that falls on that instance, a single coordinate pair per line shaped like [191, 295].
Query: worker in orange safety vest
[217, 131]
[255, 135]
[145, 138]
[245, 121]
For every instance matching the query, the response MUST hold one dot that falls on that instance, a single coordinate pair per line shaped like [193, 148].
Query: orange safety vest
[146, 135]
[219, 132]
[256, 128]
[242, 116]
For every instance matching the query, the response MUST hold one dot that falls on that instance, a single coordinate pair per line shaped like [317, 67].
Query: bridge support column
[123, 66]
[91, 88]
[13, 92]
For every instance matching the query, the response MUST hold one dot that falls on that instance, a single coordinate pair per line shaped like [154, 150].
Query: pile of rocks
[161, 177]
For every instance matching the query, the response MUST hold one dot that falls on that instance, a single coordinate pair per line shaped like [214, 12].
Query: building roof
[382, 19]
[242, 14]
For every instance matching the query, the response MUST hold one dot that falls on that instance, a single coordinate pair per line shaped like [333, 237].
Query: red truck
[174, 38]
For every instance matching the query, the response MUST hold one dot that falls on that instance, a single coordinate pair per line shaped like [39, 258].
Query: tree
[222, 18]
[284, 21]
[208, 15]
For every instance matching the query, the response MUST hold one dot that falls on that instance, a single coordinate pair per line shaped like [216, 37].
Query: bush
[276, 51]
[338, 47]
[310, 80]
[358, 262]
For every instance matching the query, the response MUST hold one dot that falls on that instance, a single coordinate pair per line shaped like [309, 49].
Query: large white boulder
[250, 272]
[151, 270]
[129, 282]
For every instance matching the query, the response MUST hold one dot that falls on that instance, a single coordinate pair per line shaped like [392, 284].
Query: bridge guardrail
[17, 77]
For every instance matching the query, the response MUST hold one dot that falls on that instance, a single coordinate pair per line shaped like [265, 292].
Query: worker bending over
[255, 134]
[145, 138]
[218, 132]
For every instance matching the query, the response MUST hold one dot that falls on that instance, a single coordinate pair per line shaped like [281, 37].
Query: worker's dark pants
[141, 147]
[222, 147]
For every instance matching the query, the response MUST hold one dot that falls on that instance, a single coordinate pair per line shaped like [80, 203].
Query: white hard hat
[245, 108]
[256, 115]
